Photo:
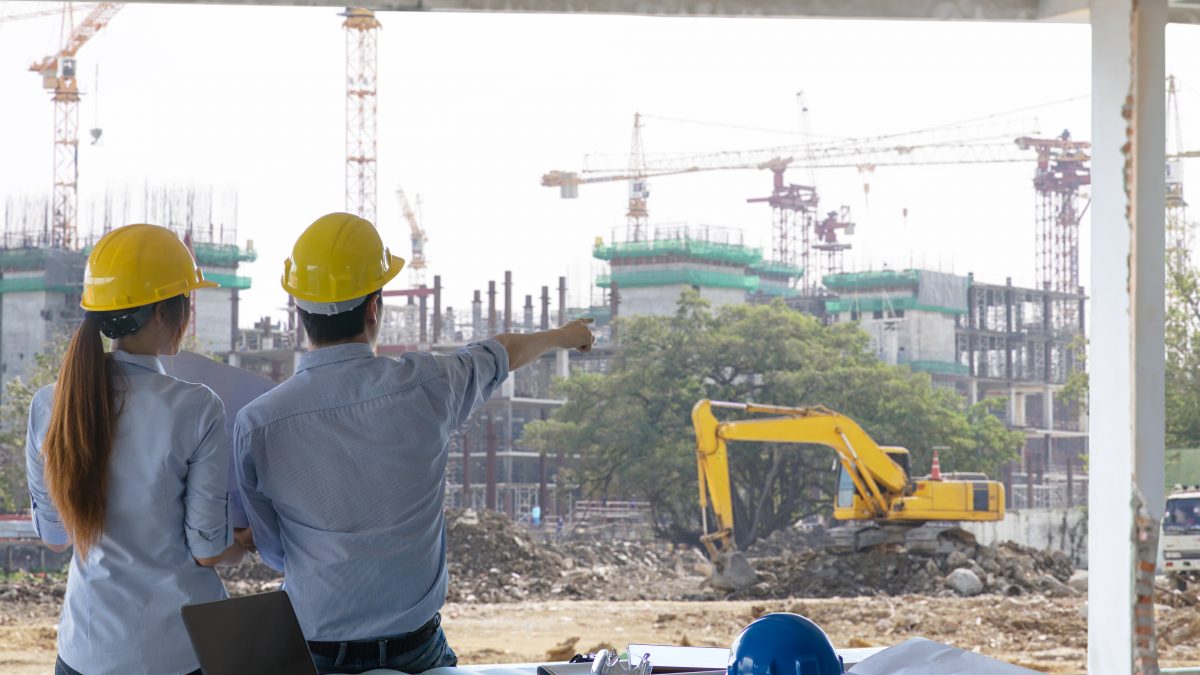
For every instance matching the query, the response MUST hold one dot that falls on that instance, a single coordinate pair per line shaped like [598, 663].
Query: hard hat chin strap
[123, 322]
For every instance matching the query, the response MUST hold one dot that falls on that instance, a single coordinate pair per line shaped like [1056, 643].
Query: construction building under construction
[41, 282]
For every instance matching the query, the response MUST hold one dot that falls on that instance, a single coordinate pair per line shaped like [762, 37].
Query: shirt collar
[324, 356]
[140, 360]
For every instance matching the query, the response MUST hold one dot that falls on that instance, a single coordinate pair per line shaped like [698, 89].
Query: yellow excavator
[879, 502]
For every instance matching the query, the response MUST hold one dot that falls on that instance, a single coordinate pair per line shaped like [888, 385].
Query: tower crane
[58, 75]
[362, 66]
[795, 215]
[1177, 231]
[33, 14]
[418, 263]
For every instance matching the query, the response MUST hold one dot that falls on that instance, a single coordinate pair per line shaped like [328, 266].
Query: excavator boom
[873, 486]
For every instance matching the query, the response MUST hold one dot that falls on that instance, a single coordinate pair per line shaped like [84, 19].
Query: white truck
[1180, 541]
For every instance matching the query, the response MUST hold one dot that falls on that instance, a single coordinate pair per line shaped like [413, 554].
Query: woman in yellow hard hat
[130, 465]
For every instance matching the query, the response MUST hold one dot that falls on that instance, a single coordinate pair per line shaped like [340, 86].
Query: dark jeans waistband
[381, 646]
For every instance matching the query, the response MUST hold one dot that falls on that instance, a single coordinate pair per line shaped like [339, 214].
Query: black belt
[370, 649]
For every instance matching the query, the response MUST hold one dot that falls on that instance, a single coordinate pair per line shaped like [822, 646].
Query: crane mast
[362, 34]
[58, 75]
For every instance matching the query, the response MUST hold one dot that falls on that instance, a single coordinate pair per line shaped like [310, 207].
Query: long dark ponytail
[84, 418]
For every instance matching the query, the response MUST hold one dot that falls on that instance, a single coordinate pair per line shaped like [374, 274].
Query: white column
[562, 363]
[1126, 361]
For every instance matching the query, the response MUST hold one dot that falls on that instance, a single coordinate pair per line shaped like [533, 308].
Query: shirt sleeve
[473, 373]
[46, 521]
[259, 509]
[206, 495]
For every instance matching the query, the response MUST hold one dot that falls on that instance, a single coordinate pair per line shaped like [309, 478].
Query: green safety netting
[38, 283]
[646, 278]
[228, 280]
[854, 280]
[602, 314]
[223, 255]
[778, 268]
[692, 248]
[939, 367]
[884, 304]
[23, 259]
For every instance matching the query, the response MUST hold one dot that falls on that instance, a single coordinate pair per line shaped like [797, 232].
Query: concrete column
[476, 317]
[423, 312]
[528, 323]
[508, 314]
[437, 308]
[491, 309]
[1127, 389]
[233, 319]
[562, 366]
[545, 319]
[973, 391]
[1048, 408]
[562, 300]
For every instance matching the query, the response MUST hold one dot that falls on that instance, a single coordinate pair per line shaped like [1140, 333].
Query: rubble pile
[1007, 569]
[787, 541]
[492, 560]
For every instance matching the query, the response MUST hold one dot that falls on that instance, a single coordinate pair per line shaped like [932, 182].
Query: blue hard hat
[783, 644]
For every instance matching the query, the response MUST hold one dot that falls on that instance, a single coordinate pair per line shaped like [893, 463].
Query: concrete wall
[918, 336]
[1063, 530]
[214, 316]
[664, 300]
[31, 320]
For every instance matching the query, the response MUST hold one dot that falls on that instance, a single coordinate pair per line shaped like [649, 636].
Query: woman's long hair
[82, 425]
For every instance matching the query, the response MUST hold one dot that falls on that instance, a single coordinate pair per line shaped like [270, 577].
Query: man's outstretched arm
[525, 348]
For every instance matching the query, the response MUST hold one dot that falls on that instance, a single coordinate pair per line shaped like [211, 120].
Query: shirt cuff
[50, 528]
[209, 543]
[500, 354]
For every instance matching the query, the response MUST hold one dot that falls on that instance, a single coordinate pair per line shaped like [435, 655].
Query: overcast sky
[473, 108]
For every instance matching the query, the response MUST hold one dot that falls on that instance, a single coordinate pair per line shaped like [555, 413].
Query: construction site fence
[609, 520]
[1048, 496]
[736, 254]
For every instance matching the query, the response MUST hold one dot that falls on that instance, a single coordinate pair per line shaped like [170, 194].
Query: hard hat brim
[395, 265]
[203, 283]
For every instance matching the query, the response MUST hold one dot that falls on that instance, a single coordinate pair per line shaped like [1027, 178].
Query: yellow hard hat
[138, 265]
[336, 262]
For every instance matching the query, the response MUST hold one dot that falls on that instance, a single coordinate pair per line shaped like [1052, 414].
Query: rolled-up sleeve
[473, 373]
[259, 510]
[206, 499]
[46, 521]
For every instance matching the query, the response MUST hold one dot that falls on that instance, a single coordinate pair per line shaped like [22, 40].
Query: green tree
[14, 418]
[1183, 351]
[632, 426]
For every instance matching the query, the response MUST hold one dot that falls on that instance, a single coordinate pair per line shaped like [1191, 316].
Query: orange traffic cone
[935, 472]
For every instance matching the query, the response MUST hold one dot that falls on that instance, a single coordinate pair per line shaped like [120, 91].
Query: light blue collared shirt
[167, 504]
[342, 470]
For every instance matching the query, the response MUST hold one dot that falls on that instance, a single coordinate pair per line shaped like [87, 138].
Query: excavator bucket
[732, 572]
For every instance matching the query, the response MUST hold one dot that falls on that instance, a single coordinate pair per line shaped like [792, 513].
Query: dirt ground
[1046, 634]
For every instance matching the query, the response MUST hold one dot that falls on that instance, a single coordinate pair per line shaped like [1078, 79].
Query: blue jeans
[61, 668]
[434, 653]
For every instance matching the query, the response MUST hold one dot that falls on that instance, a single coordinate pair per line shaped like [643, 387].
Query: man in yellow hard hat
[342, 467]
